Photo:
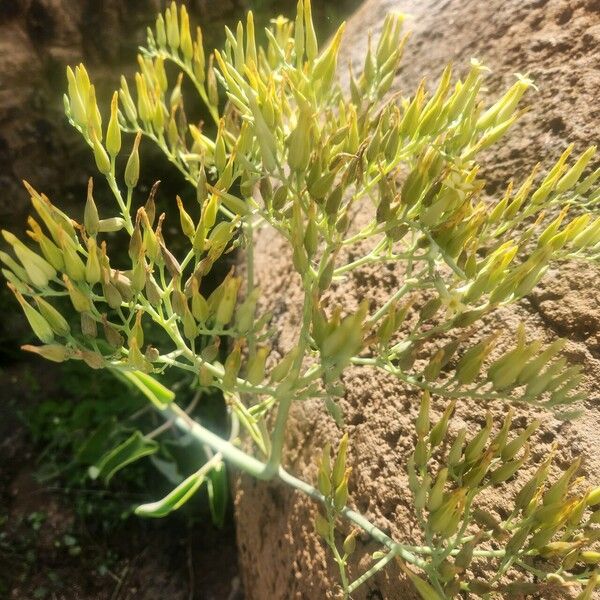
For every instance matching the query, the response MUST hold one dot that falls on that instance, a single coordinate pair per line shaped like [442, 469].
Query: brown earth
[558, 43]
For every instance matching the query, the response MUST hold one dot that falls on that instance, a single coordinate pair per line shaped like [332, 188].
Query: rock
[552, 40]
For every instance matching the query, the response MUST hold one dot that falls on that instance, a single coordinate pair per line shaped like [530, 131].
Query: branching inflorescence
[296, 152]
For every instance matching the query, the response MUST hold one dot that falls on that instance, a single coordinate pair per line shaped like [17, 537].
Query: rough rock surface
[558, 43]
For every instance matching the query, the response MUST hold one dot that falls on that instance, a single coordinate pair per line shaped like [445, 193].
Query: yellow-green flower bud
[557, 491]
[56, 321]
[132, 169]
[187, 48]
[90, 214]
[93, 272]
[322, 526]
[349, 545]
[74, 266]
[53, 352]
[312, 47]
[339, 465]
[228, 301]
[101, 157]
[470, 364]
[340, 497]
[113, 131]
[510, 450]
[38, 269]
[152, 290]
[438, 432]
[232, 367]
[256, 365]
[161, 33]
[474, 449]
[172, 26]
[571, 177]
[436, 493]
[422, 422]
[111, 294]
[284, 366]
[187, 225]
[245, 313]
[37, 322]
[456, 450]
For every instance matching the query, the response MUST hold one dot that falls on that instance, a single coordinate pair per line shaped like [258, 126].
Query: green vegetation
[295, 152]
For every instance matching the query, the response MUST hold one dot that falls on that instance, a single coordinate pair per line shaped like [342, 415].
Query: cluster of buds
[526, 372]
[287, 147]
[332, 483]
[548, 523]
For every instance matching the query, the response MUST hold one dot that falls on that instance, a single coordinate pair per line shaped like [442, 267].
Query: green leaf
[334, 410]
[91, 449]
[217, 493]
[174, 499]
[133, 448]
[155, 391]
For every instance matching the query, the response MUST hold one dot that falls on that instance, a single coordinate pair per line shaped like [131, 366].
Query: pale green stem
[249, 233]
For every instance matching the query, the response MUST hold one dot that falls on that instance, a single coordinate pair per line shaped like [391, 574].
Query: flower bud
[37, 322]
[113, 131]
[422, 422]
[256, 365]
[349, 545]
[56, 321]
[232, 367]
[101, 157]
[111, 294]
[74, 266]
[508, 469]
[474, 449]
[510, 450]
[51, 251]
[228, 301]
[152, 290]
[187, 225]
[456, 450]
[437, 491]
[340, 497]
[90, 215]
[245, 313]
[470, 364]
[132, 168]
[53, 352]
[312, 47]
[557, 491]
[438, 432]
[283, 367]
[92, 267]
[571, 177]
[339, 466]
[80, 300]
[38, 269]
[187, 48]
[190, 329]
[322, 526]
[113, 337]
[172, 27]
[88, 325]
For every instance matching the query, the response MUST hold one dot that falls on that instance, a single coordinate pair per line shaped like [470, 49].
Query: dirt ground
[557, 42]
[49, 550]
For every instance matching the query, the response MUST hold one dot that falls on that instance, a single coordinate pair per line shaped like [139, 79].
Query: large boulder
[557, 43]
